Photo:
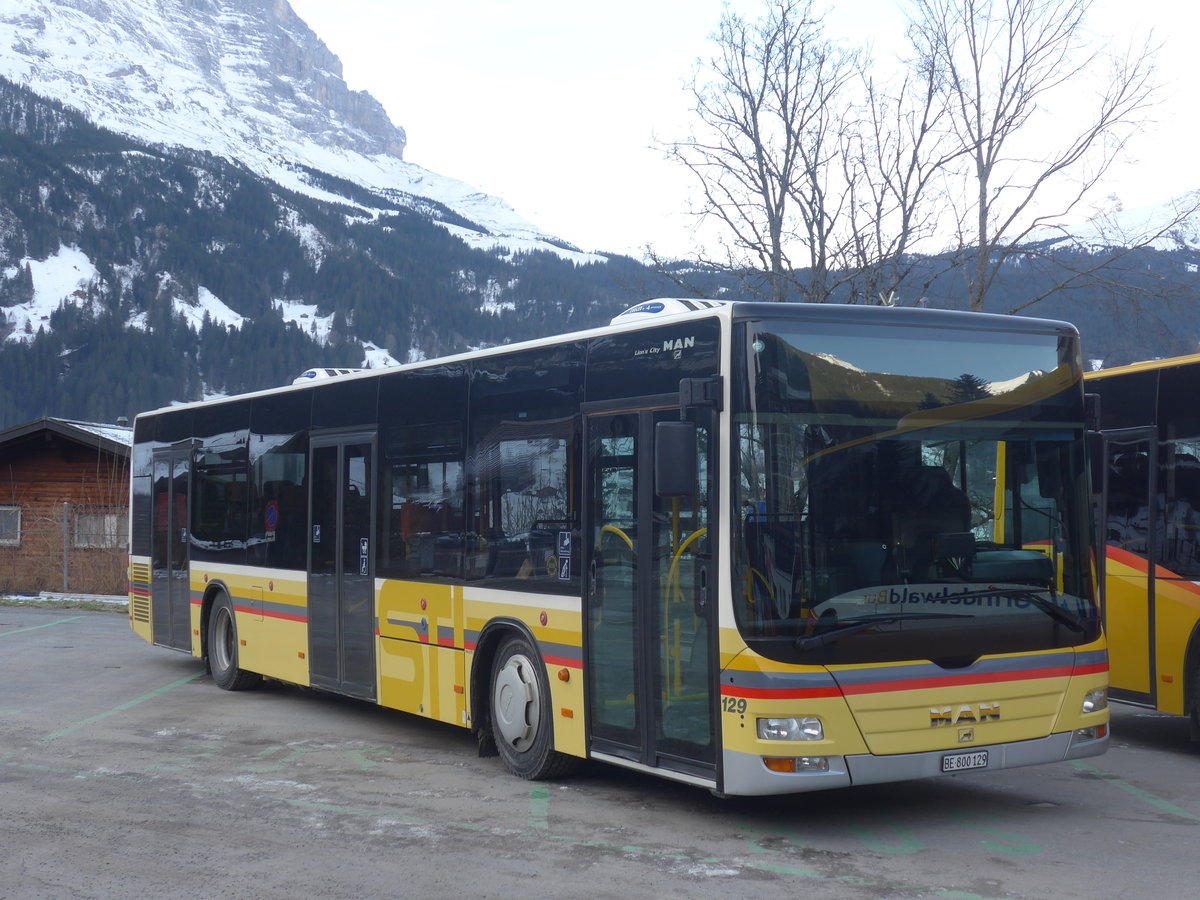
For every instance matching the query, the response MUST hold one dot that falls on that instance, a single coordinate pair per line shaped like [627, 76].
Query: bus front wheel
[521, 717]
[223, 649]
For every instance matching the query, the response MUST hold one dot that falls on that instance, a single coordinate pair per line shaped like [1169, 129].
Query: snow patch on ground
[376, 357]
[208, 303]
[305, 317]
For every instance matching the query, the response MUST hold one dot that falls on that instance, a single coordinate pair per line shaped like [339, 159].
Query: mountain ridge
[244, 79]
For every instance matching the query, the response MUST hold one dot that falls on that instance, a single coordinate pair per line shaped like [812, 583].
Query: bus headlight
[806, 728]
[1093, 701]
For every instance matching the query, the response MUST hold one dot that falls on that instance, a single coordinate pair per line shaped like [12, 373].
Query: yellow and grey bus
[757, 548]
[1146, 473]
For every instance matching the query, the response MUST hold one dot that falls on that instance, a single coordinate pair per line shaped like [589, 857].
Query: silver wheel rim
[516, 702]
[223, 637]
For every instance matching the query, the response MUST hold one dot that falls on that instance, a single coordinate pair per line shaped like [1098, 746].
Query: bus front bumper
[747, 774]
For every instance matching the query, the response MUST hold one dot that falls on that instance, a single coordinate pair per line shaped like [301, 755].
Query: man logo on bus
[678, 345]
[966, 714]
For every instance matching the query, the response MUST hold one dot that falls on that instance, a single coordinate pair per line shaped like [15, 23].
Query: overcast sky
[556, 106]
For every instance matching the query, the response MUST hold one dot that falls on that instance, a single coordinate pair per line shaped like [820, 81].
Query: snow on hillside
[65, 275]
[61, 278]
[304, 317]
[1166, 226]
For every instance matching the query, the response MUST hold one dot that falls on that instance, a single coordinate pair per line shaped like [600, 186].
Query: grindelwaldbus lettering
[971, 595]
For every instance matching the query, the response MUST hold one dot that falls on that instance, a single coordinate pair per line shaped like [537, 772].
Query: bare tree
[894, 163]
[770, 105]
[828, 183]
[1003, 68]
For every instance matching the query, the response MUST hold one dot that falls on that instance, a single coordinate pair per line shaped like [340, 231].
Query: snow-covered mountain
[243, 79]
[1171, 226]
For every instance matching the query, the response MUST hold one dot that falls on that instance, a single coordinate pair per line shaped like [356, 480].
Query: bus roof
[667, 310]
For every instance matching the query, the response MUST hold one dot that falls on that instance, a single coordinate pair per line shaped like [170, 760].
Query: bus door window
[612, 580]
[682, 561]
[1127, 522]
[772, 526]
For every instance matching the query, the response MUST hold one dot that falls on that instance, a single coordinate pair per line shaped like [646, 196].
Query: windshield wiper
[847, 627]
[1050, 608]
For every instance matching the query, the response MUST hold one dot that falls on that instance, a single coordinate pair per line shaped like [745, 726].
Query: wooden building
[64, 501]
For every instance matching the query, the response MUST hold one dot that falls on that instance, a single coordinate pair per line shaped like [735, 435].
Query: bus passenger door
[170, 584]
[649, 600]
[1128, 519]
[341, 584]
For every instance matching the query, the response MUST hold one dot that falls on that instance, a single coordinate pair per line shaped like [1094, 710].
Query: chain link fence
[64, 547]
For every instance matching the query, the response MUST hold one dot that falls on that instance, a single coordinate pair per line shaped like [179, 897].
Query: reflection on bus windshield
[872, 494]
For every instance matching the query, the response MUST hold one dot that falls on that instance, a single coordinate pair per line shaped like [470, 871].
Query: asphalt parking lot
[125, 773]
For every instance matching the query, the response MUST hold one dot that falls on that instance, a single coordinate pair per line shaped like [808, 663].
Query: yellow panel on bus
[423, 679]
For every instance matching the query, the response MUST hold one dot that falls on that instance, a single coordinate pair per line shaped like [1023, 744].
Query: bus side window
[523, 453]
[278, 481]
[423, 496]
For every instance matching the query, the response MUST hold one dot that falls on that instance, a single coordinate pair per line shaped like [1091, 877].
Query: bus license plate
[959, 762]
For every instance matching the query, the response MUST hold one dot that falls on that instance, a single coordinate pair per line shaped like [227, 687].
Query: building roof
[114, 439]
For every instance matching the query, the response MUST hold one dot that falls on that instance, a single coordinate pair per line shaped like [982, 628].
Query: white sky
[555, 106]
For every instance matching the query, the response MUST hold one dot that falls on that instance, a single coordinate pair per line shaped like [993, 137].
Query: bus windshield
[908, 494]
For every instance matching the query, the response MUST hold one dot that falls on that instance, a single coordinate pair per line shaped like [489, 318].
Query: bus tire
[520, 713]
[223, 649]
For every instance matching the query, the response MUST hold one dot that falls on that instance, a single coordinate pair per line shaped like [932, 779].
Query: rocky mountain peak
[178, 70]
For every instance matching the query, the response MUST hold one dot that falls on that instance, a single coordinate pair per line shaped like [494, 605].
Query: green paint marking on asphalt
[1009, 843]
[67, 772]
[755, 834]
[905, 845]
[1156, 802]
[36, 627]
[277, 765]
[782, 870]
[539, 807]
[119, 709]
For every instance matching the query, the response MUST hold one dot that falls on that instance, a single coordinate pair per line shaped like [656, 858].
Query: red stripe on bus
[1142, 567]
[287, 617]
[269, 614]
[916, 684]
[564, 661]
[881, 687]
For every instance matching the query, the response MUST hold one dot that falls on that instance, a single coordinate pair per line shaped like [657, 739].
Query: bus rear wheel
[521, 717]
[223, 649]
